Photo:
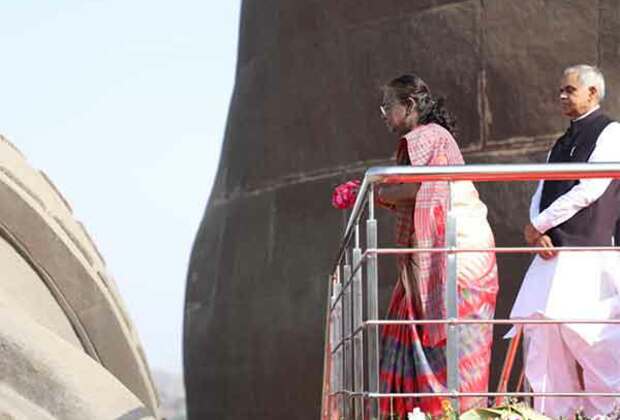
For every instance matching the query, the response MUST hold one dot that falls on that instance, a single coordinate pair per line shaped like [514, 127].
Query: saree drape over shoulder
[413, 357]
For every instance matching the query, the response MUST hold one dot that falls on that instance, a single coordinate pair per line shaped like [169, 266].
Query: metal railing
[351, 374]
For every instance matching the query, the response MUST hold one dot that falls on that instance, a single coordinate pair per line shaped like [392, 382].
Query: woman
[413, 358]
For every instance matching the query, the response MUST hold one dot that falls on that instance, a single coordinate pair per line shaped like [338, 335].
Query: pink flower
[344, 195]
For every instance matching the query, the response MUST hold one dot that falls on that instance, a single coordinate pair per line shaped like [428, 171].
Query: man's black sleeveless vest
[594, 225]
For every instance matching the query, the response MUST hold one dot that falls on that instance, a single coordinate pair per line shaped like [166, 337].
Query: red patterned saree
[413, 357]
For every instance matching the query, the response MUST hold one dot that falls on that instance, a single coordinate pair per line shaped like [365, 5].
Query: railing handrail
[474, 173]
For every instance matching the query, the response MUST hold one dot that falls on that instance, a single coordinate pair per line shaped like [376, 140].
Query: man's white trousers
[552, 354]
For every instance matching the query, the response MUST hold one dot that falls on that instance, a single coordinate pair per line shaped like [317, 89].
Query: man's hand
[545, 242]
[531, 235]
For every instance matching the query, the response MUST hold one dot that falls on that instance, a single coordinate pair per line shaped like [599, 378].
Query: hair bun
[431, 109]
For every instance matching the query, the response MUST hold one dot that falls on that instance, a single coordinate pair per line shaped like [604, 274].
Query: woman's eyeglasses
[384, 109]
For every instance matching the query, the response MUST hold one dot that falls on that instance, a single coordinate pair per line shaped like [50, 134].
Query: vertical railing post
[348, 352]
[337, 339]
[358, 339]
[328, 362]
[373, 303]
[452, 347]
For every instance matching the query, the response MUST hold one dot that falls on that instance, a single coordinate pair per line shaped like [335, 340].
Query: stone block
[526, 46]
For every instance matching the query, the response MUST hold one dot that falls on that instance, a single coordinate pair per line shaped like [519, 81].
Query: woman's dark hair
[430, 109]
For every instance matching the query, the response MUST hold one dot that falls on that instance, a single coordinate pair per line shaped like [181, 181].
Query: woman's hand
[398, 194]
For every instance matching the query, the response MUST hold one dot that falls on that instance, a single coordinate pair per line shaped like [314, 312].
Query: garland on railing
[614, 415]
[514, 410]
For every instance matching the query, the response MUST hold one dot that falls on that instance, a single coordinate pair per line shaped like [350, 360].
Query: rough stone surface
[56, 377]
[304, 118]
[74, 338]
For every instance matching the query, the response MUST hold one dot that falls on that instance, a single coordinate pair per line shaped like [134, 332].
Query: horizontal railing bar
[493, 172]
[493, 394]
[348, 337]
[498, 250]
[456, 394]
[339, 345]
[470, 321]
[456, 321]
[478, 172]
[347, 393]
[456, 250]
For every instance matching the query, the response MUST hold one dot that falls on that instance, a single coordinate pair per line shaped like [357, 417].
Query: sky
[123, 105]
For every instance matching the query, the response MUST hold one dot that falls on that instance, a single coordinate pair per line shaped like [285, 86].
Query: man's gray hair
[589, 76]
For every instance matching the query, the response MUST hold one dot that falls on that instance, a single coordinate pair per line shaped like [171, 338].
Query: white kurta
[573, 285]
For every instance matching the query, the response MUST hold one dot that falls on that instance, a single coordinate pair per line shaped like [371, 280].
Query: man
[561, 285]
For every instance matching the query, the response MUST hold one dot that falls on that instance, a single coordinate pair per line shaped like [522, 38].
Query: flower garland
[344, 195]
